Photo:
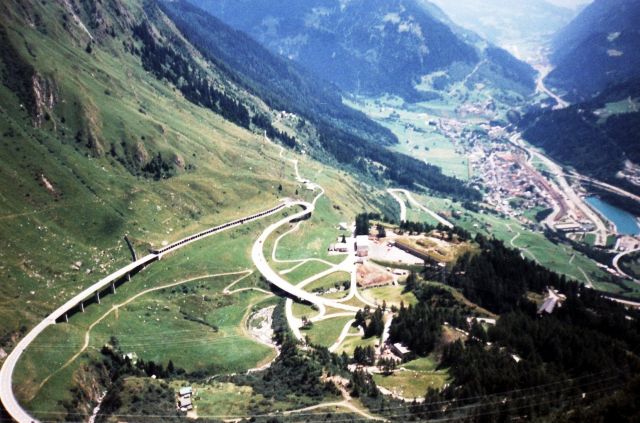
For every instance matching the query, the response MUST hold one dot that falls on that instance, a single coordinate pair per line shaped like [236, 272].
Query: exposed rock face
[178, 161]
[140, 154]
[44, 98]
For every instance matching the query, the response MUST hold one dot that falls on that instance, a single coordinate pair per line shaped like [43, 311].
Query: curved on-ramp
[403, 210]
[7, 395]
[257, 255]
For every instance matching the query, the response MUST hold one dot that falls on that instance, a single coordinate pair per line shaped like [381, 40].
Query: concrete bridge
[105, 285]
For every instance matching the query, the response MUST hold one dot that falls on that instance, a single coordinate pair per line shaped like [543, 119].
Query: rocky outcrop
[43, 100]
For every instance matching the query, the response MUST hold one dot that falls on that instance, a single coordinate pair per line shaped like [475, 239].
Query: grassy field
[534, 245]
[393, 295]
[351, 342]
[192, 323]
[417, 137]
[305, 271]
[413, 378]
[326, 332]
[422, 364]
[411, 384]
[303, 310]
[329, 281]
[314, 236]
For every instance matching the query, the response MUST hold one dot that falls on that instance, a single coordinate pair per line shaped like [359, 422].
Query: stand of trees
[165, 62]
[362, 224]
[498, 278]
[371, 322]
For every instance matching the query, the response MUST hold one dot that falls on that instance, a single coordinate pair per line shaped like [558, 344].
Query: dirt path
[342, 337]
[586, 277]
[115, 308]
[343, 404]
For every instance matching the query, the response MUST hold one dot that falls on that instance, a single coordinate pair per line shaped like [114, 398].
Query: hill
[113, 123]
[520, 28]
[597, 137]
[371, 47]
[269, 76]
[598, 48]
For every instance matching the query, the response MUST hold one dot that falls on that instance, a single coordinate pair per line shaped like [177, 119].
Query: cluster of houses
[360, 245]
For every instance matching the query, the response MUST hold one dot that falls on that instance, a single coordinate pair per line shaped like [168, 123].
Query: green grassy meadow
[326, 332]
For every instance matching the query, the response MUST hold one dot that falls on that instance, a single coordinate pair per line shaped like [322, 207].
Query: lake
[625, 222]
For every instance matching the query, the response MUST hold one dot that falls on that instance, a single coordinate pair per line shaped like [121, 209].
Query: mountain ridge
[597, 49]
[364, 47]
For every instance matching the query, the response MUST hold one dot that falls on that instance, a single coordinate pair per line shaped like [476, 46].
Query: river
[625, 222]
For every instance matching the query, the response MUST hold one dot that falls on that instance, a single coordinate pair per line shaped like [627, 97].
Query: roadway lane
[260, 261]
[413, 201]
[403, 206]
[6, 373]
[616, 263]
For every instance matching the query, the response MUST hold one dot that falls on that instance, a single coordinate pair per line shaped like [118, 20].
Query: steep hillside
[598, 48]
[263, 73]
[278, 81]
[96, 142]
[112, 122]
[598, 137]
[366, 47]
[519, 26]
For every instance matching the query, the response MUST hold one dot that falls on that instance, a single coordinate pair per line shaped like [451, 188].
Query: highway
[413, 201]
[540, 87]
[604, 185]
[616, 264]
[260, 261]
[7, 396]
[573, 199]
[403, 206]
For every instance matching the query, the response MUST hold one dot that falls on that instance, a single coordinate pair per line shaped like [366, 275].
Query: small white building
[400, 350]
[341, 247]
[185, 402]
[362, 245]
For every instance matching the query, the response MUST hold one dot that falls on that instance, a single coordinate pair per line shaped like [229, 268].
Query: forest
[527, 364]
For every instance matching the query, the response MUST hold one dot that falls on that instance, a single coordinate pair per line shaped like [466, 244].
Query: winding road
[403, 210]
[540, 87]
[7, 395]
[616, 263]
[403, 206]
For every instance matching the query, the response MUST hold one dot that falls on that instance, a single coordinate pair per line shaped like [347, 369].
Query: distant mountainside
[346, 135]
[509, 24]
[600, 47]
[598, 137]
[370, 46]
[114, 120]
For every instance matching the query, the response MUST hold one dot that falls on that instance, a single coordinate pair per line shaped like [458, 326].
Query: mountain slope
[519, 26]
[97, 142]
[598, 48]
[598, 137]
[112, 122]
[370, 47]
[282, 84]
[264, 74]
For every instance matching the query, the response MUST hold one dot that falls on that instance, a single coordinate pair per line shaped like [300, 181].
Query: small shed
[400, 350]
[362, 245]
